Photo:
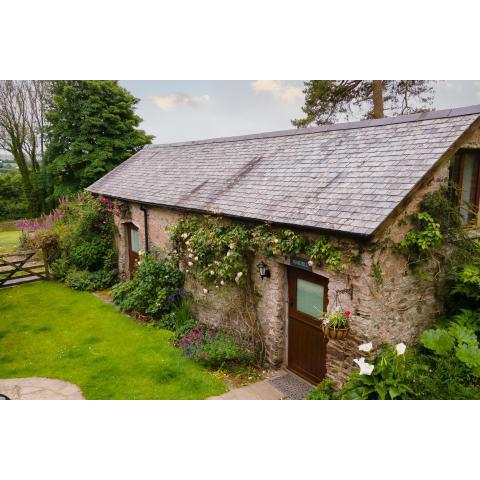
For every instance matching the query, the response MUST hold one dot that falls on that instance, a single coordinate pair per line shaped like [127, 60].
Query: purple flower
[171, 298]
[181, 292]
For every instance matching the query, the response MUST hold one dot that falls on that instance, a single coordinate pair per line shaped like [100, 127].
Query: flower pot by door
[308, 297]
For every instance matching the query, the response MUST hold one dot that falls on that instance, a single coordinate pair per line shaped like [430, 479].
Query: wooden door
[133, 247]
[308, 298]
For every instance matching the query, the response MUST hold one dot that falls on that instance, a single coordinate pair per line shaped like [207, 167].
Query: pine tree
[326, 100]
[91, 129]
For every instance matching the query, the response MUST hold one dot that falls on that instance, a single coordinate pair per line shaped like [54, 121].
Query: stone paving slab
[263, 390]
[38, 388]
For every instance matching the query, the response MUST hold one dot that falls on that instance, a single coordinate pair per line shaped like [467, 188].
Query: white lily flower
[400, 348]
[365, 367]
[365, 347]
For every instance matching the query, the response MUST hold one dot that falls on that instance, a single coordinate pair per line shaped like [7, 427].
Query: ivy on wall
[219, 253]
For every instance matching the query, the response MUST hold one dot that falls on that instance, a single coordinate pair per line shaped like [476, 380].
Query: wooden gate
[22, 267]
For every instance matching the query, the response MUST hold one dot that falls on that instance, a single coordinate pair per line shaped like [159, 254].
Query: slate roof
[345, 178]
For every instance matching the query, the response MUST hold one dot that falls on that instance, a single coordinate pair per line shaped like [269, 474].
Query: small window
[466, 175]
[134, 240]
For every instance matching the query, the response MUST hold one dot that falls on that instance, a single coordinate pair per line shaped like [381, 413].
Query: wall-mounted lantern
[263, 270]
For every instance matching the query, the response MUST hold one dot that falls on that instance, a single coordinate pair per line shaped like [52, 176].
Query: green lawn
[8, 240]
[49, 330]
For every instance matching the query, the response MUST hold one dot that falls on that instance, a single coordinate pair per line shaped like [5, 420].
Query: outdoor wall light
[263, 270]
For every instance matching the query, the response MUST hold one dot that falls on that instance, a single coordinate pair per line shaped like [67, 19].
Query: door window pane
[309, 297]
[134, 240]
[467, 187]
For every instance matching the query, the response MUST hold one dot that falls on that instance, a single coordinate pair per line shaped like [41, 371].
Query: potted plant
[335, 324]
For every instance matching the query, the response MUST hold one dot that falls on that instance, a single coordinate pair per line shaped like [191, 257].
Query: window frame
[475, 194]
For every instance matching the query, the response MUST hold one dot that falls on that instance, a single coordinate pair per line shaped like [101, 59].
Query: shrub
[90, 281]
[325, 390]
[442, 378]
[181, 316]
[387, 380]
[90, 255]
[214, 348]
[457, 337]
[154, 289]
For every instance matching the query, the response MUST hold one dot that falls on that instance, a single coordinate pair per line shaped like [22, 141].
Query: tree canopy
[92, 128]
[328, 100]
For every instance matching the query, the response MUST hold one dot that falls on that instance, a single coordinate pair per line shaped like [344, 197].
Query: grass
[9, 240]
[49, 330]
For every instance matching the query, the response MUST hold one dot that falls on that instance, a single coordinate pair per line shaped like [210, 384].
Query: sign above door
[300, 263]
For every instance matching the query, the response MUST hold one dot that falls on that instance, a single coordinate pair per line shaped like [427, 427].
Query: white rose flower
[184, 235]
[212, 272]
[276, 240]
[190, 264]
[187, 242]
[365, 347]
[365, 367]
[400, 348]
[196, 259]
[190, 255]
[310, 263]
[222, 282]
[229, 253]
[239, 274]
[216, 286]
[205, 290]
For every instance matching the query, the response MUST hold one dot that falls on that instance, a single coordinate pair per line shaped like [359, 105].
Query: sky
[190, 110]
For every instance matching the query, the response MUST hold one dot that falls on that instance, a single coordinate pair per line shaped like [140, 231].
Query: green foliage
[445, 377]
[90, 281]
[219, 253]
[324, 252]
[467, 282]
[180, 319]
[377, 274]
[425, 236]
[13, 203]
[388, 380]
[439, 341]
[91, 129]
[325, 390]
[213, 347]
[326, 100]
[154, 289]
[335, 319]
[458, 335]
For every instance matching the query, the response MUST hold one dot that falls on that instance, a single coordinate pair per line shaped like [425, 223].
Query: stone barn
[354, 183]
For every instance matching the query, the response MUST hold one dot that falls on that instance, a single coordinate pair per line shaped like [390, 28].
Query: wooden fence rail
[22, 267]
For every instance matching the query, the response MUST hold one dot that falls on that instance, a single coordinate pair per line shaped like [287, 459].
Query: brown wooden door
[308, 297]
[133, 247]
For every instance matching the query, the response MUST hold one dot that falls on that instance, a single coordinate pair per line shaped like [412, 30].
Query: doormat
[291, 386]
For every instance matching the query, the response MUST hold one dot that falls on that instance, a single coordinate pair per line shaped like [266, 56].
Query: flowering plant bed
[336, 325]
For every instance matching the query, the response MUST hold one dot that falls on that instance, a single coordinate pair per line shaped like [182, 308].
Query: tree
[22, 120]
[91, 129]
[325, 100]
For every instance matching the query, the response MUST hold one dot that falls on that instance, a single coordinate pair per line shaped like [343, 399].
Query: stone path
[37, 388]
[263, 390]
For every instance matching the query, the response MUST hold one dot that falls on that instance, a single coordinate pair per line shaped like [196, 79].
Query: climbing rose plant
[219, 253]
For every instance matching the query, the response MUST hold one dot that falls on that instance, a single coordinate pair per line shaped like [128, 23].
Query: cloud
[476, 86]
[169, 102]
[279, 89]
